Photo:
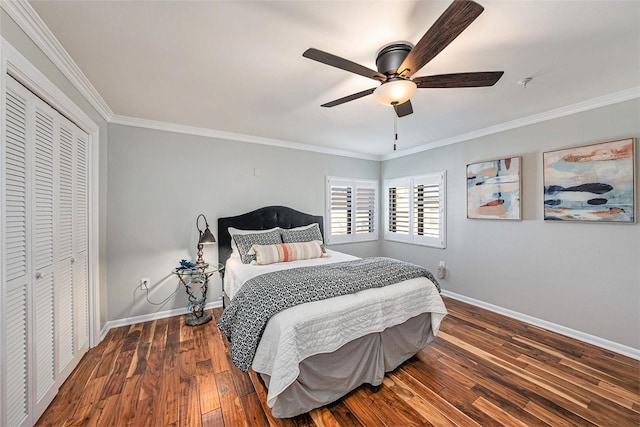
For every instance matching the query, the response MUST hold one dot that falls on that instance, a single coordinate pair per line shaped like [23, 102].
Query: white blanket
[324, 326]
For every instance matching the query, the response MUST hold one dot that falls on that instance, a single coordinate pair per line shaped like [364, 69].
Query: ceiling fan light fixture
[394, 92]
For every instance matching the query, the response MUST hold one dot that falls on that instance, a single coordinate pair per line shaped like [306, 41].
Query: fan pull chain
[395, 129]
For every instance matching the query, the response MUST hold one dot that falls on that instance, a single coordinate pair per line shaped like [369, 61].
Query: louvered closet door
[42, 252]
[64, 253]
[44, 305]
[81, 244]
[16, 248]
[72, 248]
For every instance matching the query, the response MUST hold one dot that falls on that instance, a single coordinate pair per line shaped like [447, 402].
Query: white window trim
[435, 178]
[352, 237]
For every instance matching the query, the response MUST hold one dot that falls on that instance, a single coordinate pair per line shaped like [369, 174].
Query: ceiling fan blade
[458, 16]
[403, 109]
[478, 79]
[349, 98]
[343, 64]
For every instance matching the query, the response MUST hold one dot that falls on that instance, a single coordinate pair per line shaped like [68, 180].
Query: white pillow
[235, 253]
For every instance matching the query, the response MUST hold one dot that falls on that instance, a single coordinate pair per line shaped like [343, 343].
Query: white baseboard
[149, 317]
[562, 330]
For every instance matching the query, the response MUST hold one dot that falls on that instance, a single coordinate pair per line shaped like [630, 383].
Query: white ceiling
[237, 66]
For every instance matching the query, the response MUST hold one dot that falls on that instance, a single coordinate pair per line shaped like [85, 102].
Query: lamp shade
[206, 237]
[395, 92]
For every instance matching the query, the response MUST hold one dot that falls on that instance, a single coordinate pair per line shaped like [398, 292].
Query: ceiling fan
[398, 61]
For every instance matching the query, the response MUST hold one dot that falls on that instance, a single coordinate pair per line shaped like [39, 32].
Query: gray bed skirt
[326, 377]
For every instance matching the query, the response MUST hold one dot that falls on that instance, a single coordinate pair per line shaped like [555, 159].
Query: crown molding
[33, 26]
[231, 136]
[591, 104]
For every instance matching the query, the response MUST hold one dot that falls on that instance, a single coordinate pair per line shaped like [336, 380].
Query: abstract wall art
[591, 183]
[493, 189]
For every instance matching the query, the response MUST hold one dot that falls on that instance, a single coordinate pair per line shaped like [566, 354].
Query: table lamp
[206, 238]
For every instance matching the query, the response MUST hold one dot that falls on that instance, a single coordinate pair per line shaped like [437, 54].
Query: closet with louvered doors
[44, 245]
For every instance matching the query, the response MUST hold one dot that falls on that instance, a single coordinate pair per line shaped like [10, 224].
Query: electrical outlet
[442, 271]
[144, 283]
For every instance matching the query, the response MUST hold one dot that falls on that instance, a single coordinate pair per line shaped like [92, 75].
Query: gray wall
[21, 42]
[160, 181]
[582, 276]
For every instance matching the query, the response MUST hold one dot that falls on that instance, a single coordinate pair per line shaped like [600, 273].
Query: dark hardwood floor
[483, 369]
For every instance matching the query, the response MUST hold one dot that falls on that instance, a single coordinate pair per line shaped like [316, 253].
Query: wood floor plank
[190, 412]
[208, 392]
[343, 415]
[232, 411]
[390, 408]
[159, 340]
[152, 377]
[128, 401]
[497, 414]
[86, 404]
[111, 352]
[364, 413]
[117, 377]
[169, 401]
[253, 409]
[450, 411]
[213, 419]
[483, 369]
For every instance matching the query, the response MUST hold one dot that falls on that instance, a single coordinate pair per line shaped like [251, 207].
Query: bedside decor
[594, 182]
[194, 277]
[493, 189]
[186, 265]
[206, 238]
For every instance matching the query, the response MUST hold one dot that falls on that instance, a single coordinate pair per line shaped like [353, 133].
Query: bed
[311, 354]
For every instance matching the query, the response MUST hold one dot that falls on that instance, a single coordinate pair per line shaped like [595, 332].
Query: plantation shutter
[340, 205]
[415, 209]
[426, 217]
[398, 208]
[351, 210]
[428, 209]
[365, 210]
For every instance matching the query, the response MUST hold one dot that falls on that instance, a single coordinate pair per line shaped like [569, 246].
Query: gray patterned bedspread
[244, 320]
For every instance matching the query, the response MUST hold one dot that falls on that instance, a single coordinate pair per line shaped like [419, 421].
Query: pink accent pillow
[284, 252]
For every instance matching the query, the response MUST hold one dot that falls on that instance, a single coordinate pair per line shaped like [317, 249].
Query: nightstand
[197, 279]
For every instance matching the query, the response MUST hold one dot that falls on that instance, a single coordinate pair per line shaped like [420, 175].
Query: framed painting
[493, 189]
[594, 182]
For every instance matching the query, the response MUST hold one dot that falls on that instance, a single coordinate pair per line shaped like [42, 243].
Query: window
[351, 210]
[415, 209]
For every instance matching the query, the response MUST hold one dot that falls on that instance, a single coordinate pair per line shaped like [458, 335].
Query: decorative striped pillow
[284, 252]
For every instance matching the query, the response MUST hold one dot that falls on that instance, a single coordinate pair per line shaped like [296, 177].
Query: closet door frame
[14, 64]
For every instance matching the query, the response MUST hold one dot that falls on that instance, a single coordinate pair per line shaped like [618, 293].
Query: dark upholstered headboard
[261, 219]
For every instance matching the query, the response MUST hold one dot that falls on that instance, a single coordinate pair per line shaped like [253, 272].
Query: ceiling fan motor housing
[390, 57]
